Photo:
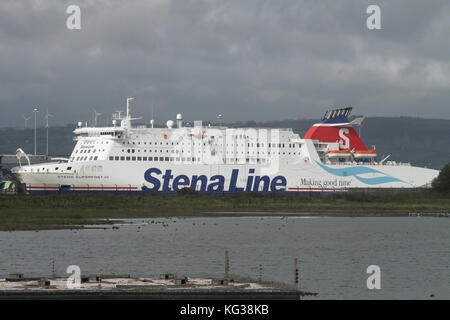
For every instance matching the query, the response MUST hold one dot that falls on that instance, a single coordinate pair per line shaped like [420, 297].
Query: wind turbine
[96, 115]
[47, 115]
[26, 120]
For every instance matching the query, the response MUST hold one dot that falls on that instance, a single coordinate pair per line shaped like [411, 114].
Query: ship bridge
[113, 132]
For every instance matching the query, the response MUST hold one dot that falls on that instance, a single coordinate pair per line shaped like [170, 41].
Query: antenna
[128, 106]
[96, 115]
[35, 110]
[152, 121]
[47, 115]
[117, 114]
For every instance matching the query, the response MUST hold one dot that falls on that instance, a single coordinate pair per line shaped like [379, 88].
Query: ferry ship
[123, 157]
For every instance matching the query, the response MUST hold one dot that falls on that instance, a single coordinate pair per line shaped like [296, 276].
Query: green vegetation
[442, 182]
[53, 211]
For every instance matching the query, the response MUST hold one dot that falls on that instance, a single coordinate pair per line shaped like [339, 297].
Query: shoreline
[53, 212]
[109, 223]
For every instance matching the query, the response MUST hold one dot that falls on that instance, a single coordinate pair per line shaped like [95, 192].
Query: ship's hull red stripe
[318, 189]
[135, 189]
[83, 188]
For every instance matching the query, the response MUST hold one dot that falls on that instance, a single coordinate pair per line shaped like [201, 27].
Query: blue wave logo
[355, 171]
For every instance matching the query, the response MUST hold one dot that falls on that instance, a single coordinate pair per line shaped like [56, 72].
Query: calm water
[413, 253]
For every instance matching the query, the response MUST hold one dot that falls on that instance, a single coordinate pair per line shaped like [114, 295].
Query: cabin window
[128, 158]
[111, 158]
[122, 158]
[116, 158]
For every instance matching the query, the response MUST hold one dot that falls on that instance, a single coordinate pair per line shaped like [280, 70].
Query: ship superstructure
[217, 159]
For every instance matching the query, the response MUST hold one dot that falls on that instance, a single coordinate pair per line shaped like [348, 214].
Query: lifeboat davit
[334, 154]
[365, 154]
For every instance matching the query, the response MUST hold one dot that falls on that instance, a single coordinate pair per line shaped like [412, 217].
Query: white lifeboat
[365, 154]
[335, 154]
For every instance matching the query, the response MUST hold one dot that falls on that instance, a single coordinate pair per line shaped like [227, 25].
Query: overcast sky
[247, 59]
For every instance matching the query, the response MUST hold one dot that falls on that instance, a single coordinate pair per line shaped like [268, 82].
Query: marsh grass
[54, 211]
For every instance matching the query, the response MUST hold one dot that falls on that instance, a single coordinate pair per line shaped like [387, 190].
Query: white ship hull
[145, 177]
[220, 160]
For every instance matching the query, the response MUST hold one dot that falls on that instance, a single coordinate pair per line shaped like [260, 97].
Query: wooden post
[227, 265]
[260, 273]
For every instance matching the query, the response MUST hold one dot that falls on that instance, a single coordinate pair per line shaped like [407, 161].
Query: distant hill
[423, 142]
[60, 140]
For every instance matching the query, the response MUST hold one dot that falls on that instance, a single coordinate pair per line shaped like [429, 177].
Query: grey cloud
[250, 60]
